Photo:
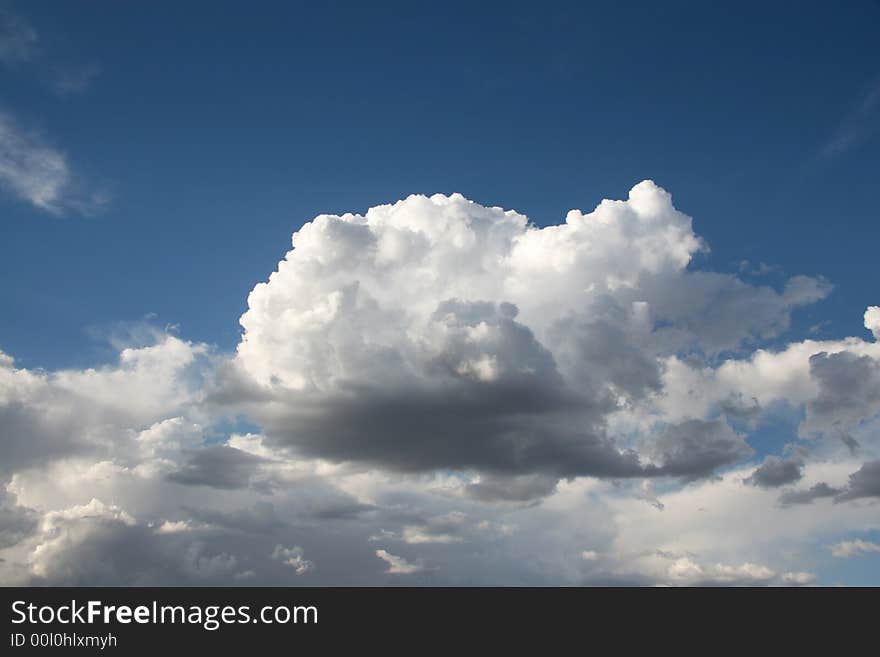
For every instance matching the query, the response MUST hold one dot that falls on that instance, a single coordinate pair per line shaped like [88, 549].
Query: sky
[471, 368]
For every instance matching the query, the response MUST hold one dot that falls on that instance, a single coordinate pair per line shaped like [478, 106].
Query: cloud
[872, 321]
[22, 50]
[858, 547]
[70, 79]
[849, 392]
[677, 568]
[808, 496]
[515, 404]
[293, 557]
[686, 571]
[97, 543]
[522, 488]
[437, 333]
[34, 171]
[18, 39]
[439, 529]
[864, 482]
[398, 565]
[695, 448]
[16, 522]
[859, 125]
[775, 471]
[218, 466]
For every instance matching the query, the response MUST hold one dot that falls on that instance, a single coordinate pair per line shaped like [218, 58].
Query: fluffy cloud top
[872, 320]
[437, 333]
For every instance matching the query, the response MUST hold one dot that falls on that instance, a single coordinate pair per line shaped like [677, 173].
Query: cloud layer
[441, 392]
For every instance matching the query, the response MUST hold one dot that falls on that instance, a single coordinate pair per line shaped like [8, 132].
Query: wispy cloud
[34, 171]
[846, 549]
[18, 39]
[70, 80]
[859, 125]
[21, 50]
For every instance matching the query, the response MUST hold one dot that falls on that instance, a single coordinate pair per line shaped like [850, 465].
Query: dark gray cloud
[341, 508]
[606, 340]
[864, 482]
[775, 472]
[217, 466]
[809, 495]
[106, 552]
[849, 393]
[522, 488]
[30, 437]
[501, 429]
[498, 405]
[261, 518]
[696, 448]
[16, 522]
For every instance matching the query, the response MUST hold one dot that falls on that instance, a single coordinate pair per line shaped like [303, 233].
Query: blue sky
[216, 130]
[155, 159]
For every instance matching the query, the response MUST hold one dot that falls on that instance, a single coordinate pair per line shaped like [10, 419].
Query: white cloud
[398, 565]
[34, 171]
[799, 578]
[857, 547]
[293, 557]
[519, 343]
[872, 320]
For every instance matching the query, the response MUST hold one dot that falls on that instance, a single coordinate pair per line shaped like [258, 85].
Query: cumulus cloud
[437, 333]
[108, 411]
[872, 321]
[515, 404]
